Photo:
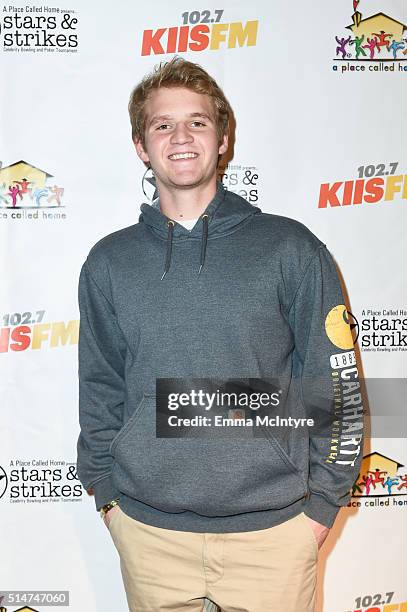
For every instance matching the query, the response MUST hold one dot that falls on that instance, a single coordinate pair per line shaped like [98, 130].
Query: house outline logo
[23, 185]
[375, 38]
[380, 476]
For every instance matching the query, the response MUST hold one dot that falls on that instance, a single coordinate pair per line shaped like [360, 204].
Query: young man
[208, 293]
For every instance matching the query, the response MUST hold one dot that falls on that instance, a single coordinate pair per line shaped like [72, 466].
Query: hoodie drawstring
[204, 241]
[170, 224]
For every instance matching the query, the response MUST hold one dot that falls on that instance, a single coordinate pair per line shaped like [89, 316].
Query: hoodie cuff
[104, 492]
[320, 510]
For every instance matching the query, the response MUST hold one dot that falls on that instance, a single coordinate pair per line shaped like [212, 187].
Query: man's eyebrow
[158, 118]
[205, 115]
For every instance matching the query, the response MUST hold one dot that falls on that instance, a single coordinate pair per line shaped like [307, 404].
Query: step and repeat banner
[319, 94]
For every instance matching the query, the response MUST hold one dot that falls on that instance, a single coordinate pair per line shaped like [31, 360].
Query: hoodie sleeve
[101, 359]
[330, 387]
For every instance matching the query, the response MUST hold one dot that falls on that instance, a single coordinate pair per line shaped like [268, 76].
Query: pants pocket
[311, 535]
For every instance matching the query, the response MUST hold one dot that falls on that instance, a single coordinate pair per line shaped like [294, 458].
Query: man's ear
[141, 151]
[223, 147]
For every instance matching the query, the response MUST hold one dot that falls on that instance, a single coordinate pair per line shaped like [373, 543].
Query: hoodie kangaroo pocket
[212, 477]
[127, 426]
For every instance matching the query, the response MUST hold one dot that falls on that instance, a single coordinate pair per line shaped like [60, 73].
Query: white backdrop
[306, 117]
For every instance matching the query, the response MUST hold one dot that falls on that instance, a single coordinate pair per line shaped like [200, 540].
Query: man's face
[181, 142]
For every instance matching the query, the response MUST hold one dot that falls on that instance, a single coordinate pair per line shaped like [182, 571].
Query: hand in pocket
[108, 516]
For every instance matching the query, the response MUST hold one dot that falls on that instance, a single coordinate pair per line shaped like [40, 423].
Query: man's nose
[181, 134]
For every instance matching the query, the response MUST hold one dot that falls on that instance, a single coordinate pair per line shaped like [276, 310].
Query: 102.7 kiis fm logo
[374, 183]
[379, 602]
[200, 30]
[25, 330]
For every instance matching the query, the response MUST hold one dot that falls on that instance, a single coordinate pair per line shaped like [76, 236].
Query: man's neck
[186, 204]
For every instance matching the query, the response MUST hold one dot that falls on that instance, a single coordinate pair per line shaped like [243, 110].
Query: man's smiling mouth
[188, 155]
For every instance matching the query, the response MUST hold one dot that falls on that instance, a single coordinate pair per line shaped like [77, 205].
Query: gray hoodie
[246, 295]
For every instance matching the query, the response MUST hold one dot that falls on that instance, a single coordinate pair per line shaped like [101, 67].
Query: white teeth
[183, 156]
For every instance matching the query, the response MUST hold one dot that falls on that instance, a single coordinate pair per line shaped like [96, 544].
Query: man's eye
[163, 126]
[198, 123]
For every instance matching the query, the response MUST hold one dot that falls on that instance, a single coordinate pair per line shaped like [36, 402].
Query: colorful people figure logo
[382, 35]
[25, 186]
[341, 46]
[379, 475]
[358, 45]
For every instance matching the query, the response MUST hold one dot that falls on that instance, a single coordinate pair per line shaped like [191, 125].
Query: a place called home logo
[383, 329]
[38, 29]
[27, 192]
[42, 481]
[377, 39]
[381, 482]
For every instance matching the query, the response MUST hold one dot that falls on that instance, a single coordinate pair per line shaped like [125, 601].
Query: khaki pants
[269, 570]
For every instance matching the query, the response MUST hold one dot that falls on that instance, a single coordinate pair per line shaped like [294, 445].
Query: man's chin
[184, 182]
[187, 182]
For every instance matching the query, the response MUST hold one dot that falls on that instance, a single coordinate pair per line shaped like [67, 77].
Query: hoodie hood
[220, 217]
